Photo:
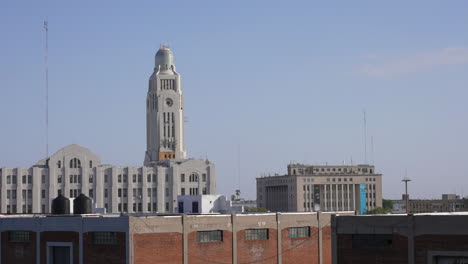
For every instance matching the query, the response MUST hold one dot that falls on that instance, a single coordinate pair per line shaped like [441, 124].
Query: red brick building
[246, 238]
[440, 238]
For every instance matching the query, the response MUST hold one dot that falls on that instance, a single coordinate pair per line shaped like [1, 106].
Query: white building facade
[152, 188]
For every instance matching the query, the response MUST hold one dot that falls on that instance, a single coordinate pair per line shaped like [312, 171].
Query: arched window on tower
[75, 163]
[193, 177]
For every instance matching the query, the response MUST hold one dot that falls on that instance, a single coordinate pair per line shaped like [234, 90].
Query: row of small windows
[98, 237]
[138, 207]
[252, 234]
[167, 84]
[343, 170]
[193, 177]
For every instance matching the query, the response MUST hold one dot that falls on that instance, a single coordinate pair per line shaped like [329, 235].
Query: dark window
[210, 236]
[256, 234]
[18, 236]
[182, 178]
[101, 238]
[372, 241]
[295, 232]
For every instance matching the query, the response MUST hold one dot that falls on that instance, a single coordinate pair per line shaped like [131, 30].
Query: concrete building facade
[448, 203]
[321, 188]
[152, 188]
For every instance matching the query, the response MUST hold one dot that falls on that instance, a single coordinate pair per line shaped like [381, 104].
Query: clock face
[169, 102]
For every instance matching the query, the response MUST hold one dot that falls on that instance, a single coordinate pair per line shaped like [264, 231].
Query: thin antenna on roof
[365, 136]
[46, 28]
[238, 168]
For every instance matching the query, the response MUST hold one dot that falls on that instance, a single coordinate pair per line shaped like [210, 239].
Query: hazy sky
[283, 81]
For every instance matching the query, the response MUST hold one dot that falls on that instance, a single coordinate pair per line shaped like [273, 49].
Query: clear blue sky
[285, 80]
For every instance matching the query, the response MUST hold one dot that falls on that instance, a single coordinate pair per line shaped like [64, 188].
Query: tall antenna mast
[365, 136]
[46, 28]
[406, 180]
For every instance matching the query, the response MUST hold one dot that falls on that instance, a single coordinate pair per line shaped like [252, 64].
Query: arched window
[193, 177]
[75, 163]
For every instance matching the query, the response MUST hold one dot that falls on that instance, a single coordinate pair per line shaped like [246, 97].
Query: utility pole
[406, 180]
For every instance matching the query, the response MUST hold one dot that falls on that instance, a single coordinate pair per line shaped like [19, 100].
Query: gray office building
[154, 187]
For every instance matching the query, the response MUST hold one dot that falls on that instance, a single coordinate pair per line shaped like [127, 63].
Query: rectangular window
[167, 192]
[124, 192]
[91, 193]
[148, 192]
[105, 178]
[372, 240]
[140, 178]
[182, 191]
[120, 207]
[24, 179]
[182, 177]
[8, 194]
[295, 232]
[134, 178]
[29, 194]
[71, 178]
[43, 178]
[120, 192]
[204, 177]
[154, 192]
[140, 193]
[19, 236]
[119, 178]
[149, 207]
[210, 236]
[140, 207]
[125, 178]
[134, 207]
[8, 179]
[256, 234]
[154, 177]
[30, 180]
[105, 193]
[59, 179]
[155, 207]
[105, 238]
[14, 179]
[91, 176]
[134, 193]
[167, 177]
[148, 178]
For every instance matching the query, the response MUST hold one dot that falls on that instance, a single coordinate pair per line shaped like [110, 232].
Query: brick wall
[104, 254]
[300, 250]
[425, 243]
[157, 248]
[18, 252]
[258, 251]
[397, 253]
[218, 251]
[59, 236]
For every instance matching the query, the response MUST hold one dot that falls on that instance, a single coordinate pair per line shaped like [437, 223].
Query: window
[30, 179]
[29, 194]
[155, 207]
[91, 178]
[124, 192]
[372, 240]
[59, 164]
[75, 163]
[256, 234]
[106, 178]
[295, 232]
[105, 238]
[105, 193]
[91, 193]
[8, 194]
[140, 178]
[119, 177]
[210, 236]
[204, 177]
[134, 178]
[182, 191]
[148, 191]
[167, 192]
[154, 177]
[120, 192]
[59, 179]
[134, 207]
[125, 178]
[140, 207]
[24, 179]
[134, 193]
[9, 179]
[18, 236]
[43, 178]
[154, 192]
[182, 177]
[148, 178]
[149, 207]
[14, 179]
[120, 207]
[167, 177]
[90, 164]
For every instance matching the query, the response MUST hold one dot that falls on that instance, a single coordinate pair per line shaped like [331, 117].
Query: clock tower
[164, 111]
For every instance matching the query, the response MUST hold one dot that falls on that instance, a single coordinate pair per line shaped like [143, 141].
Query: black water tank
[82, 205]
[61, 205]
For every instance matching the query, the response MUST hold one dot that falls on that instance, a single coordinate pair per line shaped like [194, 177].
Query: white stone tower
[164, 111]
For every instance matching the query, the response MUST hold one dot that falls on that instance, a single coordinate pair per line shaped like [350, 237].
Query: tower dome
[164, 60]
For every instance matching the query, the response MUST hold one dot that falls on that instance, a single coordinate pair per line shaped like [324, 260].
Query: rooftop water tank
[82, 205]
[61, 205]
